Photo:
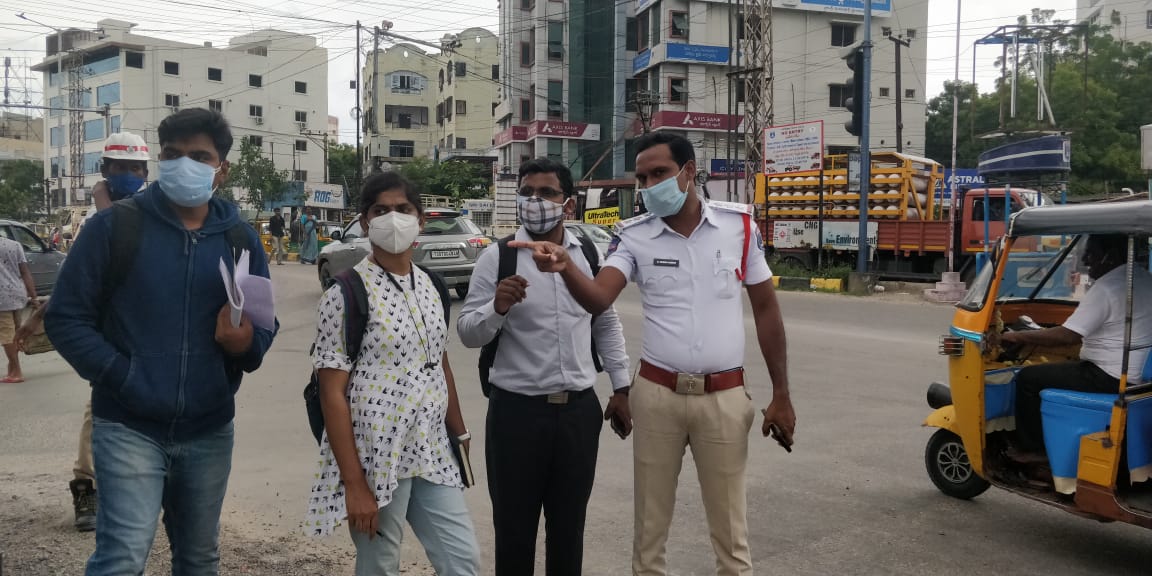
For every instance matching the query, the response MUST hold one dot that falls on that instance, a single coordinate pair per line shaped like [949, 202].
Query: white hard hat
[125, 146]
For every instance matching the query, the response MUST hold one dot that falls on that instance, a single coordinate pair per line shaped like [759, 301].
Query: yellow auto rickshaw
[1098, 445]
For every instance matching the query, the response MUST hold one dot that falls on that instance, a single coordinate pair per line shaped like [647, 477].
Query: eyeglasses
[545, 192]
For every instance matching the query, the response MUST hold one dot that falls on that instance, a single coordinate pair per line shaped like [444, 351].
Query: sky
[333, 23]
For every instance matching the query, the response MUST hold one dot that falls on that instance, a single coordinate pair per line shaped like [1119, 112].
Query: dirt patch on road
[37, 538]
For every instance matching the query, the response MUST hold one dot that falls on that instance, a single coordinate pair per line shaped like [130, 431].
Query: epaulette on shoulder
[633, 221]
[731, 206]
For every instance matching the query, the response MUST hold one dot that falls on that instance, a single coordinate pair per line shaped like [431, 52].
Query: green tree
[21, 189]
[258, 176]
[1098, 88]
[342, 165]
[459, 179]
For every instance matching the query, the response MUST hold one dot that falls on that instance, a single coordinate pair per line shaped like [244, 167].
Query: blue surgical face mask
[665, 198]
[186, 182]
[123, 185]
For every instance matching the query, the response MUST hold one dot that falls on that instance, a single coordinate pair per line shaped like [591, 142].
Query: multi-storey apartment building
[271, 85]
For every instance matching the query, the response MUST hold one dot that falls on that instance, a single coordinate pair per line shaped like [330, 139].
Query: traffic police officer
[689, 258]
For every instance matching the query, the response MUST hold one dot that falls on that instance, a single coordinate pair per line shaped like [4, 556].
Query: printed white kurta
[398, 405]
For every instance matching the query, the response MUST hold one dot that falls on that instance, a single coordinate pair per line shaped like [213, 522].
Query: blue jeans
[139, 478]
[440, 520]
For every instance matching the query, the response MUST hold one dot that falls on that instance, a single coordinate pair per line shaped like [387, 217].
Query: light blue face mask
[186, 182]
[665, 198]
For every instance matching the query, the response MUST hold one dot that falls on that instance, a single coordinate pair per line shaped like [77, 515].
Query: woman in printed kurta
[386, 453]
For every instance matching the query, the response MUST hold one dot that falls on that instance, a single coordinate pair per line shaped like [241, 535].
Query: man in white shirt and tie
[544, 418]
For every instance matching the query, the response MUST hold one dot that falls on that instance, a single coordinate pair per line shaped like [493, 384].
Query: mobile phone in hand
[778, 436]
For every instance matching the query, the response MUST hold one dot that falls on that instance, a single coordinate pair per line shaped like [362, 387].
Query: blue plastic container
[1000, 393]
[1067, 416]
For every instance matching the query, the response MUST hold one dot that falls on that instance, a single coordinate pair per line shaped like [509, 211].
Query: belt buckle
[690, 383]
[558, 398]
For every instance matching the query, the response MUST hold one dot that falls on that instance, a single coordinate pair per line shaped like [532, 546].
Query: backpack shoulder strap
[507, 258]
[442, 289]
[355, 310]
[591, 254]
[123, 243]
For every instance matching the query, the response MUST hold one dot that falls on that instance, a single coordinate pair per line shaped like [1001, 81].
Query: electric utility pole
[899, 41]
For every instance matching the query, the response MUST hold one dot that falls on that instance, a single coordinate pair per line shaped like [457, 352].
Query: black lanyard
[431, 363]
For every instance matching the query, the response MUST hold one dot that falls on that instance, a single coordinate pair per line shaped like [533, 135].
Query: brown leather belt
[685, 383]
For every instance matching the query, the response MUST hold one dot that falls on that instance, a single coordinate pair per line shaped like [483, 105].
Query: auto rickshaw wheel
[949, 467]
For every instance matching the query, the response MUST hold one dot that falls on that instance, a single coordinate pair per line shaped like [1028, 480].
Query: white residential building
[431, 104]
[270, 85]
[1133, 19]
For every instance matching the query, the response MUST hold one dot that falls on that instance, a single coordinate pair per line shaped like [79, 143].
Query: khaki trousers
[716, 427]
[84, 469]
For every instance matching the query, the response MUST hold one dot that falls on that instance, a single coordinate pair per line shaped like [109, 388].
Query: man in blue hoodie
[160, 352]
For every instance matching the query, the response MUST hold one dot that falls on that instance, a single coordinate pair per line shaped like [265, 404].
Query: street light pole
[955, 126]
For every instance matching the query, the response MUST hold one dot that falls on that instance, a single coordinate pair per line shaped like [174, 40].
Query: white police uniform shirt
[545, 346]
[693, 309]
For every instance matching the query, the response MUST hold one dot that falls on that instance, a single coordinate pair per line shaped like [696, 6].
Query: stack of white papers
[248, 294]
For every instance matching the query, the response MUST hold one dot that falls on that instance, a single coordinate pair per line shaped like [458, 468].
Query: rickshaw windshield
[1042, 267]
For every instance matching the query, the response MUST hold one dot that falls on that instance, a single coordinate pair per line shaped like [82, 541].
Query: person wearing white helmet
[124, 167]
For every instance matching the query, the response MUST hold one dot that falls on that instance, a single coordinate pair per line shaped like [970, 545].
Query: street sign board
[794, 147]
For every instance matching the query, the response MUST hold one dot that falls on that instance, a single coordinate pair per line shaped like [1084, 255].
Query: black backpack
[124, 243]
[355, 323]
[507, 267]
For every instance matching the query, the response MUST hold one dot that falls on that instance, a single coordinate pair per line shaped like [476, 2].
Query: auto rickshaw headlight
[951, 346]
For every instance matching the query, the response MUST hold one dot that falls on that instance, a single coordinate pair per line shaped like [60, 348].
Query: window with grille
[838, 94]
[843, 34]
[678, 90]
[679, 27]
[402, 148]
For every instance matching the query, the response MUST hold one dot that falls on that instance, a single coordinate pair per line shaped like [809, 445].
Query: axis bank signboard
[548, 129]
[702, 121]
[569, 130]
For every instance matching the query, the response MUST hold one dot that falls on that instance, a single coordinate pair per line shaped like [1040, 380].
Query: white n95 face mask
[394, 232]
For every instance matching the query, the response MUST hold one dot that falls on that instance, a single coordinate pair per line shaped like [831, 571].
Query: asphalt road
[853, 498]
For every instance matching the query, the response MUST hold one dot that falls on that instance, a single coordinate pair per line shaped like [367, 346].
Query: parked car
[448, 245]
[601, 236]
[43, 261]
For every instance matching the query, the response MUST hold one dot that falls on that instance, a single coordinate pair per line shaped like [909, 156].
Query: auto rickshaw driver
[1097, 326]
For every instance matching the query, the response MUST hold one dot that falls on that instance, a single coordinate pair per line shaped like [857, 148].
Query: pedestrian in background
[163, 387]
[309, 245]
[17, 291]
[294, 230]
[276, 230]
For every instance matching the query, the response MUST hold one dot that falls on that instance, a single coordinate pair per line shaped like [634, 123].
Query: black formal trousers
[541, 456]
[1081, 376]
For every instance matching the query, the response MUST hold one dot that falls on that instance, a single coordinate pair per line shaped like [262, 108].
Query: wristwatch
[464, 437]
